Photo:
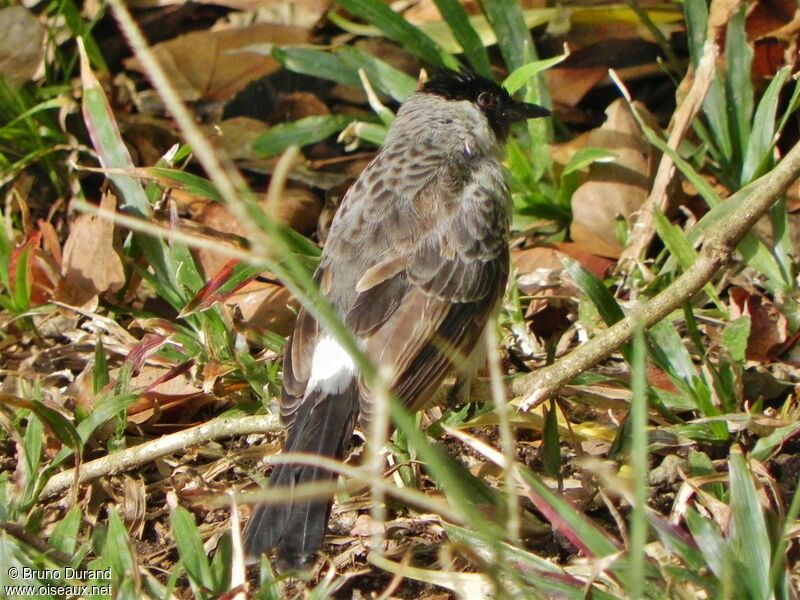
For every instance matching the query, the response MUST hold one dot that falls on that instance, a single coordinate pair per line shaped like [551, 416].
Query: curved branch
[130, 458]
[716, 252]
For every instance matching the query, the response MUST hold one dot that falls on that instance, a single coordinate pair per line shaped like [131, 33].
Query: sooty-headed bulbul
[415, 262]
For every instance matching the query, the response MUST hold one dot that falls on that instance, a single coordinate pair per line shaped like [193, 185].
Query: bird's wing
[415, 262]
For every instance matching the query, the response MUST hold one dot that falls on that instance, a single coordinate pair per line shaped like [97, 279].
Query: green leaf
[65, 533]
[586, 157]
[34, 438]
[401, 31]
[739, 86]
[566, 519]
[542, 576]
[22, 284]
[679, 247]
[189, 182]
[221, 564]
[734, 337]
[190, 548]
[761, 141]
[118, 552]
[381, 74]
[709, 540]
[520, 77]
[100, 376]
[459, 23]
[508, 22]
[302, 132]
[610, 311]
[766, 445]
[639, 464]
[749, 534]
[317, 63]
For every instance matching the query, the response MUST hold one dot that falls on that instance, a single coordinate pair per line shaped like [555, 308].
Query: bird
[415, 263]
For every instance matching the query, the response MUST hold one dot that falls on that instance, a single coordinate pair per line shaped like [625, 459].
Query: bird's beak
[522, 111]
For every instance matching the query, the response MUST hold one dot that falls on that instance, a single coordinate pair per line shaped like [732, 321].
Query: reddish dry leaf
[537, 268]
[299, 208]
[170, 391]
[91, 264]
[539, 273]
[148, 345]
[588, 65]
[599, 266]
[570, 85]
[768, 327]
[214, 65]
[773, 18]
[298, 105]
[42, 269]
[614, 189]
[264, 306]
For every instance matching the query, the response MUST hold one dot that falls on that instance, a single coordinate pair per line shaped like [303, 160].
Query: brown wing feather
[415, 262]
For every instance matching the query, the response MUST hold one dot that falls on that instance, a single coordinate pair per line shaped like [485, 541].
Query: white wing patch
[332, 368]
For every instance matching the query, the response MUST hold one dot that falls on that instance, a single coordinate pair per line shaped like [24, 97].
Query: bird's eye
[486, 100]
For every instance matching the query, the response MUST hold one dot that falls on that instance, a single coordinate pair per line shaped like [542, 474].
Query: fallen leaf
[91, 264]
[297, 207]
[769, 329]
[21, 44]
[214, 65]
[264, 306]
[613, 189]
[235, 136]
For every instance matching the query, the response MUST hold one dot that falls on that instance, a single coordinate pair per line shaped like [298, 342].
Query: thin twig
[130, 458]
[716, 252]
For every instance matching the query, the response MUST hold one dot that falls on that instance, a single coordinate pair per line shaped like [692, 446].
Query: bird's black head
[500, 108]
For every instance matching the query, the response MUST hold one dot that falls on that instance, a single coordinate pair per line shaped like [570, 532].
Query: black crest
[462, 85]
[500, 108]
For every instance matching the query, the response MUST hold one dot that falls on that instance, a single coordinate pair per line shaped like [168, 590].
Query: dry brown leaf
[91, 264]
[298, 208]
[21, 44]
[614, 189]
[301, 13]
[214, 65]
[235, 136]
[264, 306]
[773, 18]
[768, 326]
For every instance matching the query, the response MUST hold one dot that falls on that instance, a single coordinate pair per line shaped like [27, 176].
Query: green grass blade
[639, 463]
[459, 23]
[679, 247]
[508, 22]
[739, 56]
[302, 132]
[106, 138]
[758, 155]
[190, 548]
[749, 534]
[317, 63]
[65, 533]
[396, 28]
[710, 542]
[567, 520]
[118, 552]
[381, 74]
[610, 311]
[520, 77]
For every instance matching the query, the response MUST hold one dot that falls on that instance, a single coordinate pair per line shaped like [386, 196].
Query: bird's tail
[322, 425]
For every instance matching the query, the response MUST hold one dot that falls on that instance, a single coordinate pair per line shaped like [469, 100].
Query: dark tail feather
[323, 425]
